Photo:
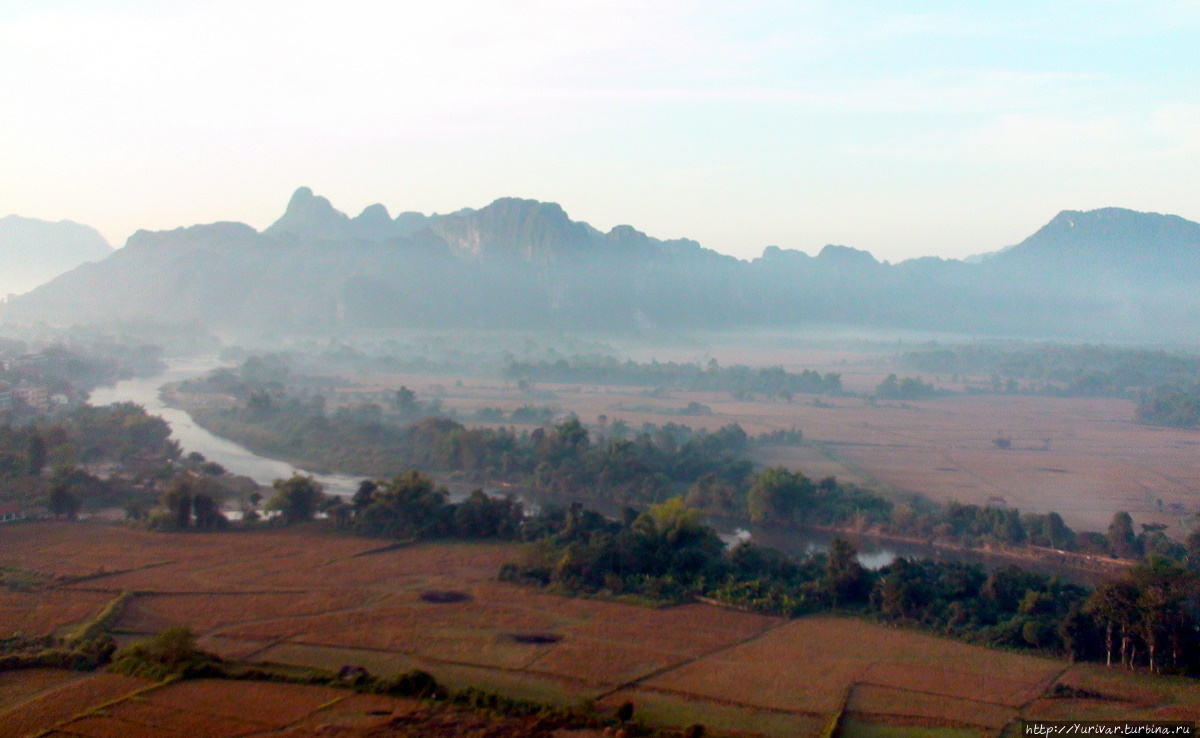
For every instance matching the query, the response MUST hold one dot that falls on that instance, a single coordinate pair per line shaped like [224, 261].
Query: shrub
[172, 654]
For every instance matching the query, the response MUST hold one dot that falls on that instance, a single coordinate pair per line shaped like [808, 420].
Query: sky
[906, 129]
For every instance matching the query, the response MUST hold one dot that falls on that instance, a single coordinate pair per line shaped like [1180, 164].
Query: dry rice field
[311, 597]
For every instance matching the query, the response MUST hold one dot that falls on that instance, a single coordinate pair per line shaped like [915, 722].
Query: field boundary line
[833, 729]
[372, 603]
[436, 660]
[724, 702]
[688, 661]
[95, 709]
[1044, 685]
[396, 546]
[856, 468]
[891, 718]
[70, 582]
[941, 695]
[246, 657]
[210, 593]
[80, 676]
[319, 708]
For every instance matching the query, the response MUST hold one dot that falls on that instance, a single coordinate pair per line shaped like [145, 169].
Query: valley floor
[312, 597]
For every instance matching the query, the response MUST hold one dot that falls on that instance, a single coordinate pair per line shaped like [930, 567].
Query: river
[192, 437]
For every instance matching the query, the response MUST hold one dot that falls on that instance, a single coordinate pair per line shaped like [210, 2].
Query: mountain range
[34, 251]
[523, 264]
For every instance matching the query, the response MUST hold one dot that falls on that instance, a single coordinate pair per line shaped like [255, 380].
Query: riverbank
[193, 436]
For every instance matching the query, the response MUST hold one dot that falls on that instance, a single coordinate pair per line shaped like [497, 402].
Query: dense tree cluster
[779, 496]
[1178, 407]
[909, 388]
[191, 501]
[410, 506]
[297, 499]
[53, 461]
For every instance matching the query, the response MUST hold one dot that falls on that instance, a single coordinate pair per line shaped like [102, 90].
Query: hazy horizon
[939, 130]
[743, 254]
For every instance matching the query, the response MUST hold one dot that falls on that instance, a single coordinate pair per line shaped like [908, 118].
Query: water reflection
[192, 437]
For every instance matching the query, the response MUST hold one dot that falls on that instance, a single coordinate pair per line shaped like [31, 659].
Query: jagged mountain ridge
[507, 228]
[525, 264]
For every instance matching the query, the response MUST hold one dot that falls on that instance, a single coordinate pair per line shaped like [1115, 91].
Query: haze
[937, 130]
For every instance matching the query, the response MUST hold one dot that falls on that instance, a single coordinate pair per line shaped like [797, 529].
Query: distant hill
[1111, 242]
[33, 251]
[520, 264]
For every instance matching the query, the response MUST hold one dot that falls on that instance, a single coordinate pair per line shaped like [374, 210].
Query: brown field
[277, 704]
[825, 655]
[44, 612]
[18, 686]
[205, 709]
[901, 706]
[217, 709]
[680, 664]
[149, 711]
[57, 705]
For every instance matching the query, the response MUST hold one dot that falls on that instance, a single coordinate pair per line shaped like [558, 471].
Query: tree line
[737, 379]
[1058, 369]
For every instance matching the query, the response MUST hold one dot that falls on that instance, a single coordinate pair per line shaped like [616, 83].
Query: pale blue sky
[903, 128]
